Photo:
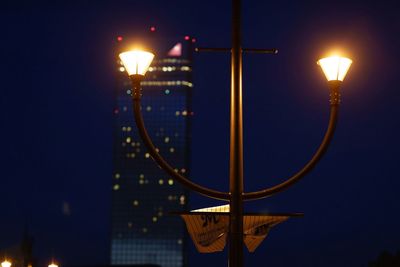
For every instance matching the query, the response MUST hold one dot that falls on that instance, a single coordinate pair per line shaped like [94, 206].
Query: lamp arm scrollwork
[310, 165]
[159, 159]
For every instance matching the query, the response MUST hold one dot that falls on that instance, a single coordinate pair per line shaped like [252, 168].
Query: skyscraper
[143, 232]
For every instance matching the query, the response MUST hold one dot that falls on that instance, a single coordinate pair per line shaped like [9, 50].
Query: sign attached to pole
[209, 227]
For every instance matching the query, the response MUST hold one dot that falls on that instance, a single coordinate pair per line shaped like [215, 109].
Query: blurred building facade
[143, 232]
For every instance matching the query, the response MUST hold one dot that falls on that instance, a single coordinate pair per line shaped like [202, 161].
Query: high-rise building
[143, 231]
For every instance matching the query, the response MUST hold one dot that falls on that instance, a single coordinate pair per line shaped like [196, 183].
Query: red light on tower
[119, 38]
[187, 37]
[152, 29]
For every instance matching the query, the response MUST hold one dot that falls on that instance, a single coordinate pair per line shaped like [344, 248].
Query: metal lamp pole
[335, 69]
[236, 145]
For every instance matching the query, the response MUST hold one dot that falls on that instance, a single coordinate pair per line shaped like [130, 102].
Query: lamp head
[335, 68]
[136, 62]
[6, 263]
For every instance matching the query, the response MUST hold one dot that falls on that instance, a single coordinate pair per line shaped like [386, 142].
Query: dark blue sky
[56, 122]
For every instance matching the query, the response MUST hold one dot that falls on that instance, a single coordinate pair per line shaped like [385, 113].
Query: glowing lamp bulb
[335, 68]
[6, 263]
[53, 265]
[136, 61]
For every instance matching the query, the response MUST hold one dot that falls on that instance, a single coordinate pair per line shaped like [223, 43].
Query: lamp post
[335, 68]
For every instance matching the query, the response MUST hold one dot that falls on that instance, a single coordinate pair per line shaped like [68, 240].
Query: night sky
[57, 96]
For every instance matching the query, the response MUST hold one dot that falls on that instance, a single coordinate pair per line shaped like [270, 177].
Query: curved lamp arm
[335, 100]
[157, 157]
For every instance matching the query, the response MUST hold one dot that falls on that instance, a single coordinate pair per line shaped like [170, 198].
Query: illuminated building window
[167, 92]
[117, 176]
[130, 224]
[123, 128]
[123, 144]
[133, 155]
[184, 113]
[182, 200]
[137, 150]
[166, 139]
[116, 187]
[166, 83]
[180, 242]
[172, 150]
[177, 113]
[160, 214]
[148, 108]
[128, 140]
[129, 128]
[128, 92]
[161, 181]
[147, 155]
[135, 203]
[154, 219]
[170, 182]
[183, 170]
[124, 108]
[141, 176]
[173, 197]
[144, 230]
[141, 182]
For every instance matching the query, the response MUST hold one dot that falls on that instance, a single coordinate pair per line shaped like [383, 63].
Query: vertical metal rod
[236, 144]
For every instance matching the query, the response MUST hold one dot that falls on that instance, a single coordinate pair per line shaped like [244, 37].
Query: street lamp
[335, 68]
[136, 62]
[6, 263]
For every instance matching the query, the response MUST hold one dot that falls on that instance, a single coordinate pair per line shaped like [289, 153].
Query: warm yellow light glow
[53, 265]
[335, 68]
[6, 263]
[136, 61]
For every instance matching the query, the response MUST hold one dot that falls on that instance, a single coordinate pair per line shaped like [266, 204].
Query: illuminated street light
[335, 69]
[52, 264]
[136, 62]
[6, 263]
